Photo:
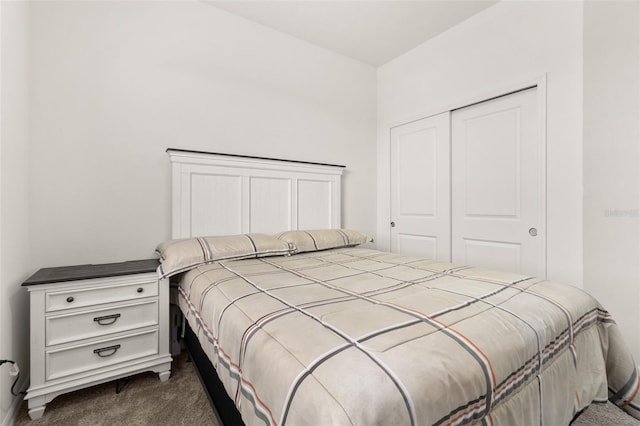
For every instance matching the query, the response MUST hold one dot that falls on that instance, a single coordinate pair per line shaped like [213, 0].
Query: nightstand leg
[36, 407]
[164, 375]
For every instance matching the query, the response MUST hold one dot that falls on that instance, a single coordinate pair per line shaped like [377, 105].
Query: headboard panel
[221, 194]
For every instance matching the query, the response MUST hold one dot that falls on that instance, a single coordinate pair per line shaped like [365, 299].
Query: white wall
[116, 83]
[14, 229]
[92, 93]
[590, 53]
[503, 46]
[612, 161]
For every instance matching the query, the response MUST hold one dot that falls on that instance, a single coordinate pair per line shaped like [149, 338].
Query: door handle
[533, 232]
[393, 224]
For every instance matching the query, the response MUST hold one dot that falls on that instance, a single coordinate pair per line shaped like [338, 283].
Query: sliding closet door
[498, 193]
[420, 187]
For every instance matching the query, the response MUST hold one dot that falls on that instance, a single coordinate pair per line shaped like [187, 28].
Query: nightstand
[95, 323]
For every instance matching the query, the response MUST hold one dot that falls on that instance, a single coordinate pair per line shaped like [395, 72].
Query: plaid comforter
[358, 336]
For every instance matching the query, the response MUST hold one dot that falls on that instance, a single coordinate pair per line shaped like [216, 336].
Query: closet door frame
[539, 81]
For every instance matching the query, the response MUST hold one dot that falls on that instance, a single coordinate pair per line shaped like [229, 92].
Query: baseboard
[12, 413]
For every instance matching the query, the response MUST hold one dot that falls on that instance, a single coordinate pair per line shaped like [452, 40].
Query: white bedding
[358, 336]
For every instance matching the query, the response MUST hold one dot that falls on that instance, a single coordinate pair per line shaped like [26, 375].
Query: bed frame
[218, 194]
[222, 194]
[223, 405]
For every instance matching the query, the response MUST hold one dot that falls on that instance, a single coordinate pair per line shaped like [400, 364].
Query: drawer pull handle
[140, 290]
[111, 349]
[110, 318]
[69, 299]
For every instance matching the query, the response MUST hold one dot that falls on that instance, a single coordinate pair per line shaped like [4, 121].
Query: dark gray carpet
[145, 400]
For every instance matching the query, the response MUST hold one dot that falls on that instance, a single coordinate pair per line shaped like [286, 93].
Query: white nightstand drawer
[99, 322]
[77, 359]
[75, 298]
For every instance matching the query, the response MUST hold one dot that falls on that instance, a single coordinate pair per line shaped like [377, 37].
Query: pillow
[183, 254]
[323, 239]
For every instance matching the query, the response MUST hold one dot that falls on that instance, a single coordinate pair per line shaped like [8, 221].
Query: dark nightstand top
[85, 272]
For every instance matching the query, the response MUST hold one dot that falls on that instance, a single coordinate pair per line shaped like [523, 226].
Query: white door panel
[420, 187]
[417, 245]
[497, 182]
[492, 162]
[493, 254]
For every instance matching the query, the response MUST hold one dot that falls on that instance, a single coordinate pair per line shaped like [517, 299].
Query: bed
[315, 326]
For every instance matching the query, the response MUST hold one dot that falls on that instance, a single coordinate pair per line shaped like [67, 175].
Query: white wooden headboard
[221, 194]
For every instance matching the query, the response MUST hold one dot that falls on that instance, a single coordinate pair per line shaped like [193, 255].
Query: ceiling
[373, 32]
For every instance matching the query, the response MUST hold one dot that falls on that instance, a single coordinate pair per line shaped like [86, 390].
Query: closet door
[498, 193]
[420, 188]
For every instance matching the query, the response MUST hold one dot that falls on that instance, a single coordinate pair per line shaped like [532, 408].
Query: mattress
[359, 336]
